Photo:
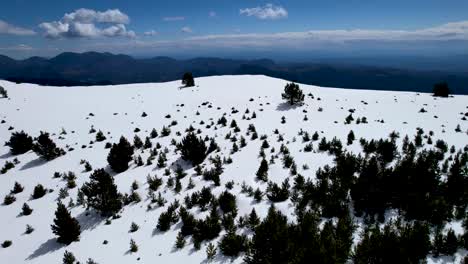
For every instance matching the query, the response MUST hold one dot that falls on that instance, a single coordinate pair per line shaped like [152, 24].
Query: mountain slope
[117, 110]
[91, 68]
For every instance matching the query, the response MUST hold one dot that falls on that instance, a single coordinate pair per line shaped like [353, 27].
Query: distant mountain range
[90, 68]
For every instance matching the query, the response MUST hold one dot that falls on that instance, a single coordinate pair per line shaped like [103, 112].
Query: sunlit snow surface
[34, 108]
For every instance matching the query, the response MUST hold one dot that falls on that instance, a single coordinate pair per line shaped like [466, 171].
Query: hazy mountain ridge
[91, 68]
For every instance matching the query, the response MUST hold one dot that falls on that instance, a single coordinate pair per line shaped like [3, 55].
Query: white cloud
[269, 11]
[19, 47]
[150, 33]
[186, 30]
[6, 28]
[176, 18]
[453, 34]
[88, 16]
[88, 23]
[212, 14]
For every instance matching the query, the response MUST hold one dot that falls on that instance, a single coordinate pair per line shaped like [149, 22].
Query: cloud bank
[269, 11]
[9, 29]
[88, 23]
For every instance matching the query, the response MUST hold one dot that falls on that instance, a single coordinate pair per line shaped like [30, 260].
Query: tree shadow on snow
[33, 163]
[47, 247]
[6, 155]
[89, 220]
[284, 106]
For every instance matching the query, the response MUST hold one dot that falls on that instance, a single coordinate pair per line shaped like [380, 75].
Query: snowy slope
[34, 108]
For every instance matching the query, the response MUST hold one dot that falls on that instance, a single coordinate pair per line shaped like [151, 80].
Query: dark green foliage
[133, 246]
[20, 143]
[153, 182]
[180, 241]
[350, 137]
[396, 243]
[3, 92]
[208, 228]
[120, 155]
[8, 166]
[46, 148]
[137, 142]
[17, 188]
[187, 80]
[262, 172]
[101, 193]
[188, 222]
[441, 89]
[166, 219]
[68, 258]
[270, 243]
[278, 194]
[193, 148]
[65, 226]
[227, 202]
[293, 94]
[6, 243]
[38, 192]
[100, 136]
[232, 244]
[9, 199]
[26, 210]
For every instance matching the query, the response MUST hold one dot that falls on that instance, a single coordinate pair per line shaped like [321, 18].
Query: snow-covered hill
[117, 111]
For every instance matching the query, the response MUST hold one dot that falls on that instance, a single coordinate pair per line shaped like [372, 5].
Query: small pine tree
[3, 92]
[29, 229]
[180, 241]
[68, 258]
[262, 172]
[210, 252]
[350, 137]
[65, 226]
[26, 210]
[20, 143]
[133, 246]
[134, 227]
[46, 148]
[187, 80]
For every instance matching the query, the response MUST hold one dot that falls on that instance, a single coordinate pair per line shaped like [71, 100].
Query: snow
[34, 108]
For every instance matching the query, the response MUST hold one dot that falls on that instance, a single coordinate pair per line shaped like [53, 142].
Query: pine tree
[3, 92]
[120, 155]
[137, 143]
[210, 251]
[227, 202]
[451, 243]
[232, 244]
[26, 210]
[68, 258]
[19, 143]
[65, 226]
[187, 80]
[46, 148]
[180, 241]
[133, 246]
[253, 220]
[193, 149]
[101, 193]
[100, 136]
[262, 172]
[351, 137]
[293, 94]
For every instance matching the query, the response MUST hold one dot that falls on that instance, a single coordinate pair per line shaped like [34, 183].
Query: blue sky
[234, 28]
